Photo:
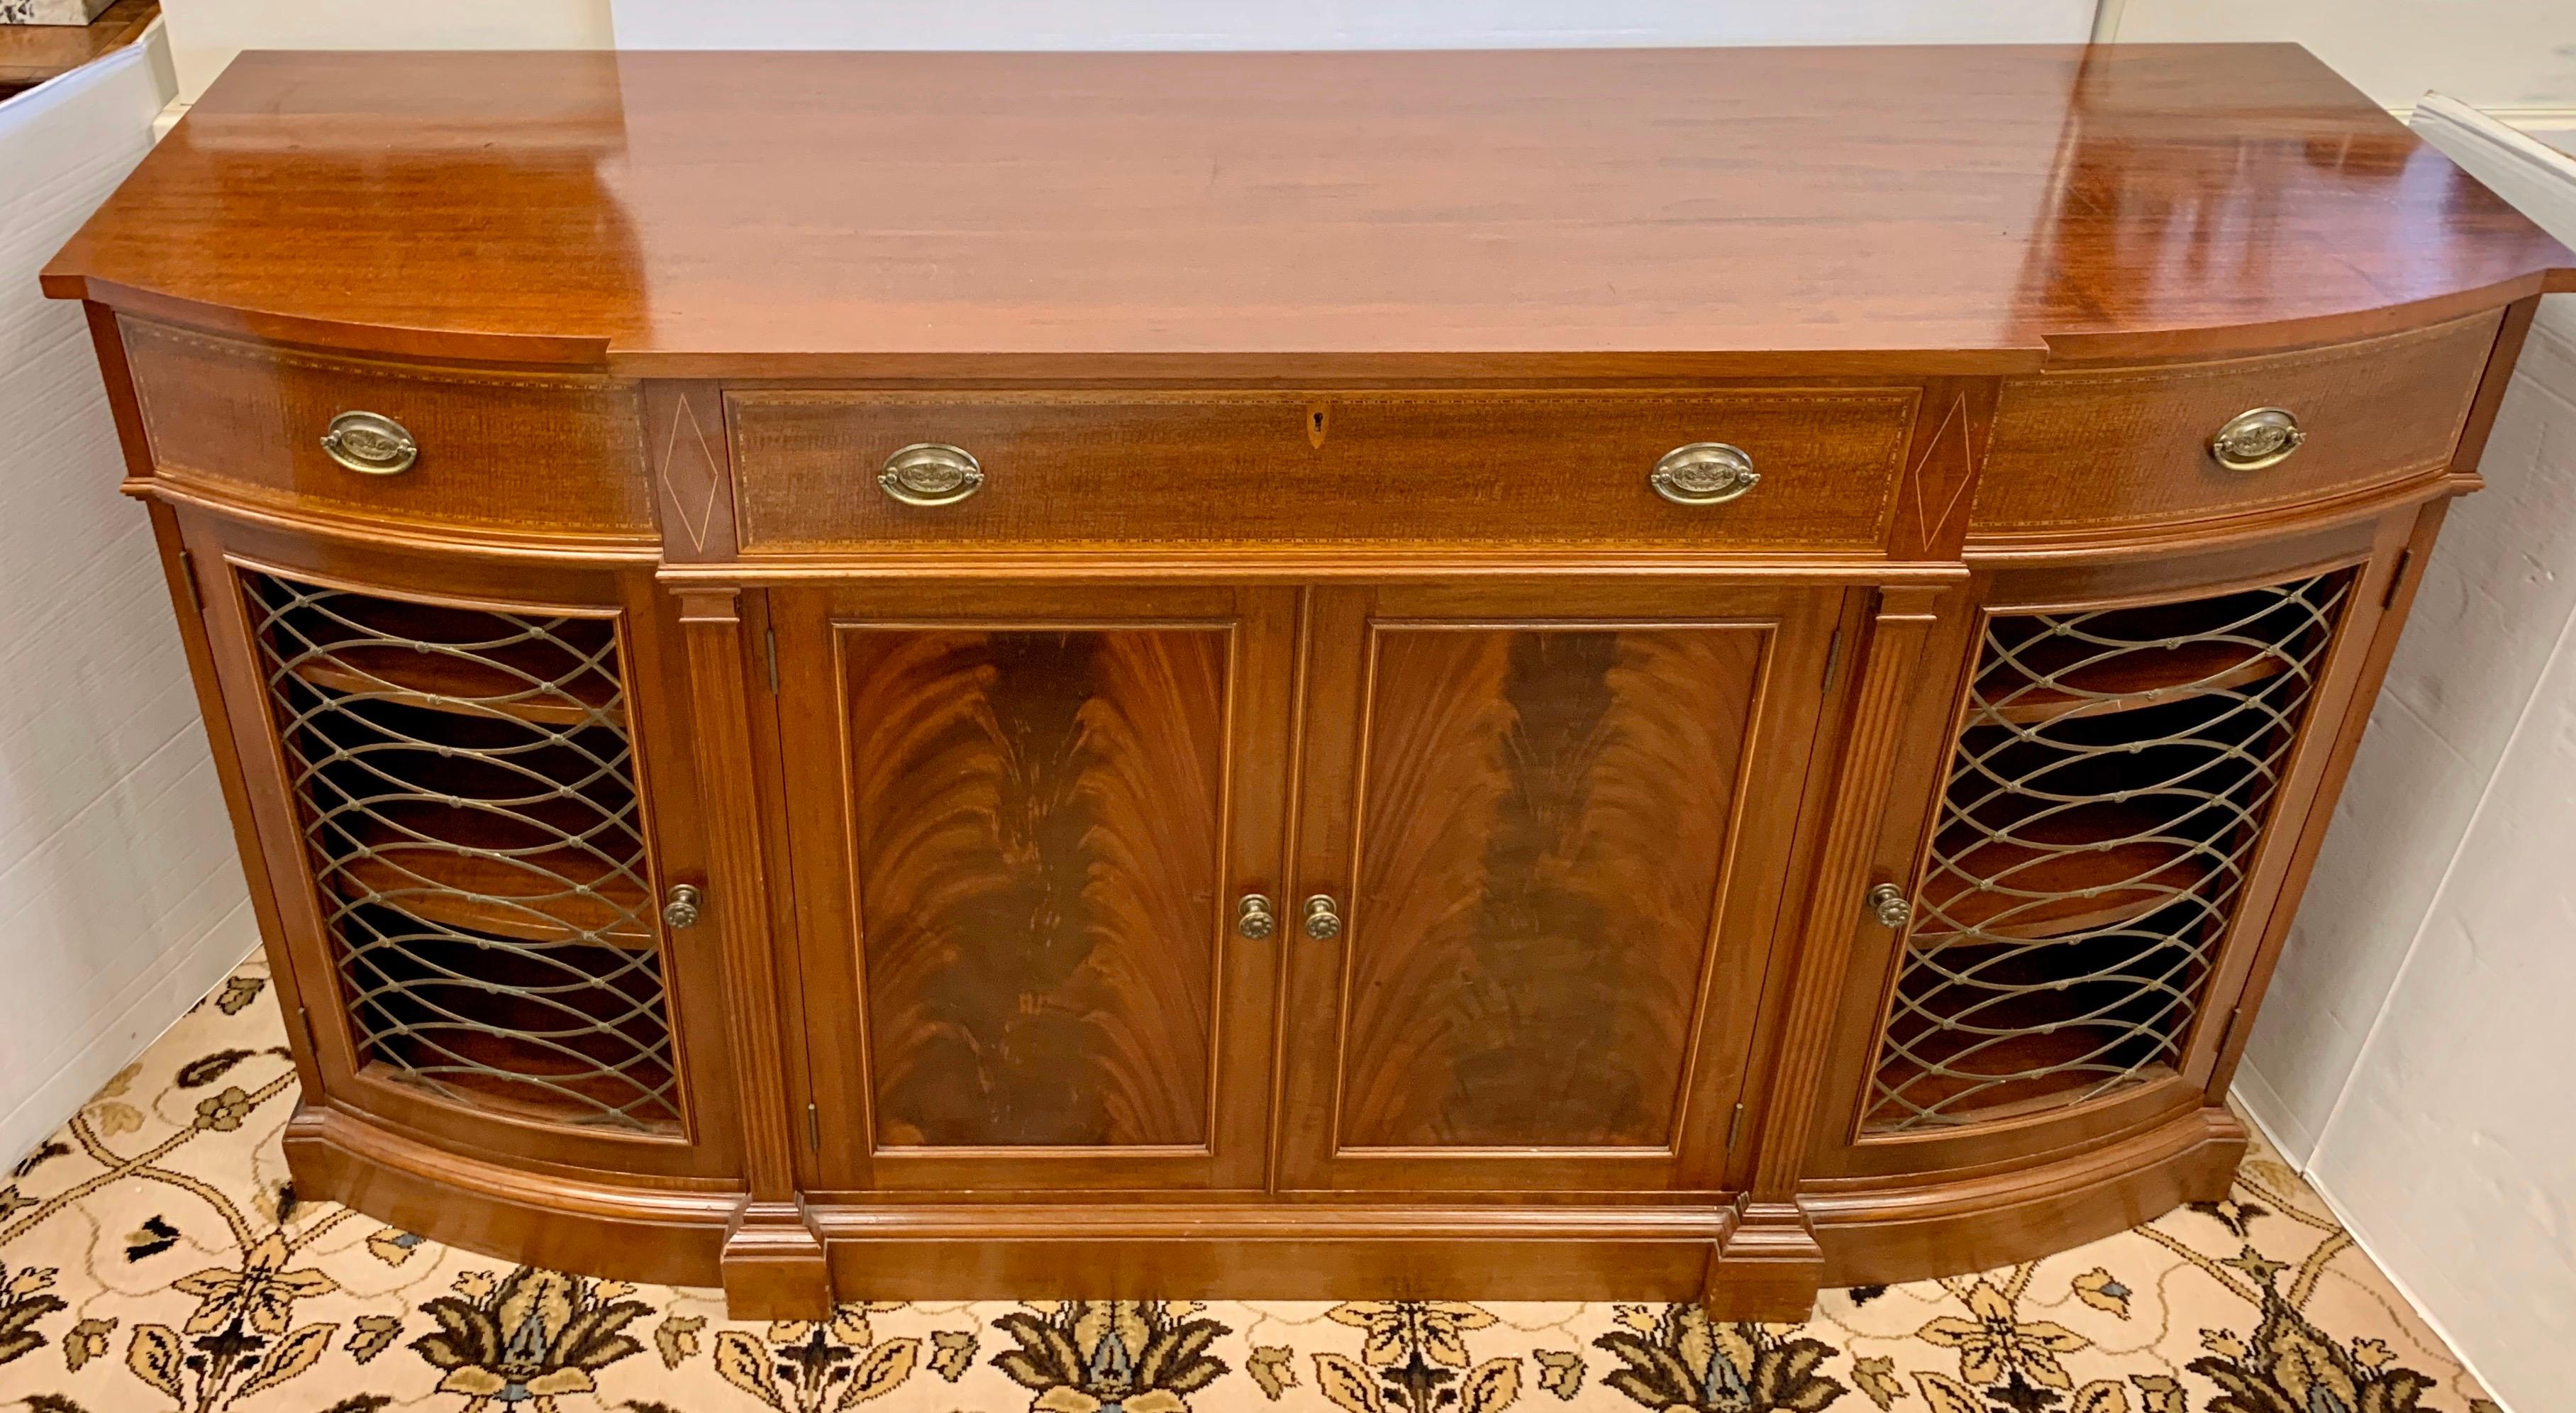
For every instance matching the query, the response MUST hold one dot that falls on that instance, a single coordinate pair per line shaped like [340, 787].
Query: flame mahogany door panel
[1554, 821]
[1021, 820]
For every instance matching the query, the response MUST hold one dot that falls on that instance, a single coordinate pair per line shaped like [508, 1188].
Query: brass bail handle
[370, 443]
[931, 474]
[2252, 440]
[1704, 473]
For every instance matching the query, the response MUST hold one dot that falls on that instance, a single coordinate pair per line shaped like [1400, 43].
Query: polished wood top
[1282, 216]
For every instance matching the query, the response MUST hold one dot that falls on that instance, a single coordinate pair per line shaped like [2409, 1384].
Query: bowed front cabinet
[1616, 674]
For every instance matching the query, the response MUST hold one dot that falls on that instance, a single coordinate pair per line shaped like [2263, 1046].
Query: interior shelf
[501, 1076]
[576, 1030]
[2072, 678]
[2021, 1074]
[488, 874]
[456, 660]
[388, 672]
[2012, 1029]
[2035, 893]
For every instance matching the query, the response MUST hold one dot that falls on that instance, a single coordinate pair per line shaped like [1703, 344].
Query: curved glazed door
[2098, 845]
[1021, 821]
[1552, 824]
[472, 796]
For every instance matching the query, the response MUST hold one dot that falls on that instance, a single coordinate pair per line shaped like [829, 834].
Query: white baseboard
[2259, 1101]
[2360, 1238]
[130, 1021]
[2553, 126]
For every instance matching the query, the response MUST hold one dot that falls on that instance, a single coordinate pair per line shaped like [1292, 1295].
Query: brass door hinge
[1833, 657]
[2397, 578]
[814, 1128]
[188, 574]
[312, 1042]
[769, 641]
[2226, 1033]
[1734, 1128]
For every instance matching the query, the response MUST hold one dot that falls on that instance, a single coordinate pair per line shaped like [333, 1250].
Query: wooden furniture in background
[32, 53]
[1625, 674]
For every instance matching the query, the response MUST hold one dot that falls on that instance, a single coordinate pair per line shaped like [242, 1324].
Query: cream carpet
[153, 1257]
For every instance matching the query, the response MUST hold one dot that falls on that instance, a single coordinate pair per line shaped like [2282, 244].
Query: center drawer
[1141, 468]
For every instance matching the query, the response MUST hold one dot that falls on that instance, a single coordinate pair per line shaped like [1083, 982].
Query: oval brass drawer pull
[2250, 441]
[370, 443]
[1704, 473]
[931, 473]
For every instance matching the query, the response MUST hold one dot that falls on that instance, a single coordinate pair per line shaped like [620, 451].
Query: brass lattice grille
[2114, 769]
[466, 787]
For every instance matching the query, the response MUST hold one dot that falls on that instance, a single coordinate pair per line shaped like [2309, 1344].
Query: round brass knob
[1253, 918]
[2250, 441]
[370, 443]
[682, 909]
[1323, 922]
[1704, 473]
[1887, 903]
[931, 473]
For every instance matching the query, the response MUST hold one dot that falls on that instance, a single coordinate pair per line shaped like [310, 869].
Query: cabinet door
[2116, 767]
[1022, 823]
[471, 792]
[1552, 825]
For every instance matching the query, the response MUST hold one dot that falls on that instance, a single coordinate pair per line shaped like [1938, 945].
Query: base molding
[1885, 1231]
[779, 1260]
[629, 1231]
[1768, 1267]
[774, 1265]
[1262, 1249]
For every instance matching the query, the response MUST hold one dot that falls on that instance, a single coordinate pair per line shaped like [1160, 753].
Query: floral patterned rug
[153, 1256]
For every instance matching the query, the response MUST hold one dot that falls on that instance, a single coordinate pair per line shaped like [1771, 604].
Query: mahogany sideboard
[1612, 674]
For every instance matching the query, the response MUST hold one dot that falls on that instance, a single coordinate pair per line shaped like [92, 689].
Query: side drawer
[535, 455]
[2130, 447]
[1093, 468]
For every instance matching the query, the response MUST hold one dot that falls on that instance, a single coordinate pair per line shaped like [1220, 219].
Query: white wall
[1328, 24]
[2413, 1054]
[121, 901]
[205, 34]
[2514, 58]
[2487, 618]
